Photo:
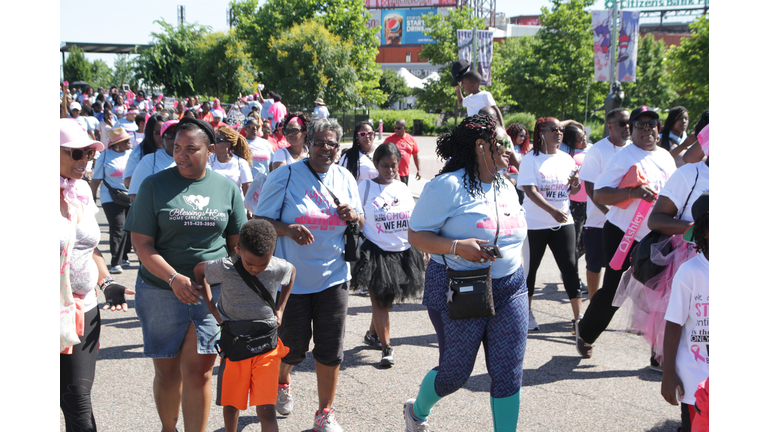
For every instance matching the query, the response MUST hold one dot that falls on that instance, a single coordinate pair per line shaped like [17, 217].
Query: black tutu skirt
[389, 276]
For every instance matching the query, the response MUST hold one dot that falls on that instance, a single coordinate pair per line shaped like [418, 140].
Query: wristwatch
[107, 281]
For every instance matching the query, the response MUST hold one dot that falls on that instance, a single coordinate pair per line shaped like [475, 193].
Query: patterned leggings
[503, 337]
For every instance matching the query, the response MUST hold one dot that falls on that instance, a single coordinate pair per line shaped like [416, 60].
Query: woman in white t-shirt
[548, 177]
[294, 127]
[657, 166]
[105, 126]
[358, 158]
[232, 157]
[671, 216]
[389, 267]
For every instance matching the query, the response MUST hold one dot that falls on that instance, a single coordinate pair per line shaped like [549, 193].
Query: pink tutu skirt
[646, 304]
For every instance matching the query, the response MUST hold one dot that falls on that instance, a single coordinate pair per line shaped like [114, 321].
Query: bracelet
[170, 279]
[107, 281]
[453, 248]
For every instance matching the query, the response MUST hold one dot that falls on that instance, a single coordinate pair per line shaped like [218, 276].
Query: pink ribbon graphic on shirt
[378, 227]
[629, 236]
[696, 350]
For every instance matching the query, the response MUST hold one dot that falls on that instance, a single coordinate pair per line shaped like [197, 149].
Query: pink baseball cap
[703, 138]
[170, 124]
[72, 135]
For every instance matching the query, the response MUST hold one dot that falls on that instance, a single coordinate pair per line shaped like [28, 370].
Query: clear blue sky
[132, 22]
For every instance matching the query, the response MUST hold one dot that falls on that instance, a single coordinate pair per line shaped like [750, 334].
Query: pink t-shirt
[278, 111]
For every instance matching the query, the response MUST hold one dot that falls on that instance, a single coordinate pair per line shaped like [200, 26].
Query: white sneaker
[532, 324]
[116, 269]
[325, 421]
[126, 263]
[387, 357]
[284, 404]
[411, 424]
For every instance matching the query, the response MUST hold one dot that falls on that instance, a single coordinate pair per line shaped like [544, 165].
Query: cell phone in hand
[492, 250]
[126, 88]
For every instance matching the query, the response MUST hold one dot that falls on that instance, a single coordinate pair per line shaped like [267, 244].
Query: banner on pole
[628, 41]
[484, 51]
[601, 29]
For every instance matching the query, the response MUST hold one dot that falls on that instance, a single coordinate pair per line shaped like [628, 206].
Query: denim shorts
[165, 320]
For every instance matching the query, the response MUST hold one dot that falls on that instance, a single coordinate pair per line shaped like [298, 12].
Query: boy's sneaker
[387, 357]
[532, 324]
[411, 424]
[372, 340]
[325, 421]
[284, 404]
[116, 269]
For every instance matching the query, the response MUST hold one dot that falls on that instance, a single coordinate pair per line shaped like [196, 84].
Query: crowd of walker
[222, 214]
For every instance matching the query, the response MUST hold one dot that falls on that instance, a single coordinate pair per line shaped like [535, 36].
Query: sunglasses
[522, 135]
[365, 134]
[554, 129]
[621, 123]
[321, 144]
[291, 131]
[646, 124]
[399, 127]
[77, 154]
[168, 137]
[156, 133]
[220, 140]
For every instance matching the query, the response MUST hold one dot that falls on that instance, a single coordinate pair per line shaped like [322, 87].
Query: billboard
[627, 45]
[391, 4]
[404, 26]
[484, 51]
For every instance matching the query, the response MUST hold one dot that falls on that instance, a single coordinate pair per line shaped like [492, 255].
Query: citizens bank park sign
[643, 4]
[392, 4]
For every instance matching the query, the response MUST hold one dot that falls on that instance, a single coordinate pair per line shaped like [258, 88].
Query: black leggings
[600, 311]
[562, 243]
[76, 377]
[119, 240]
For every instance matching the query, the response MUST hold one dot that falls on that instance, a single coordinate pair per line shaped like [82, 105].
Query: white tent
[434, 76]
[411, 80]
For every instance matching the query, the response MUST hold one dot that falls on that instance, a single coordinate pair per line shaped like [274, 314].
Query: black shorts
[593, 248]
[326, 313]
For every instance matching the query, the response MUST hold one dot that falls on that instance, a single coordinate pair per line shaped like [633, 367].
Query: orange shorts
[257, 375]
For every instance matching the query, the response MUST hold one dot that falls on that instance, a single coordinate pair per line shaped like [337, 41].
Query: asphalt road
[613, 391]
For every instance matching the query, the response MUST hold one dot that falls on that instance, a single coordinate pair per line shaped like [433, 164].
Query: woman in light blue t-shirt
[457, 213]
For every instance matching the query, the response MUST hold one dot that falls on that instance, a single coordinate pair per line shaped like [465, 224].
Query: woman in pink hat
[108, 173]
[82, 268]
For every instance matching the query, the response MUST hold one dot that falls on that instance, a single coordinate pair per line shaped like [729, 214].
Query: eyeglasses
[554, 129]
[646, 124]
[621, 123]
[77, 154]
[321, 144]
[291, 131]
[365, 134]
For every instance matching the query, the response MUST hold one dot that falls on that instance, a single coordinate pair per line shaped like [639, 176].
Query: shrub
[391, 116]
[526, 119]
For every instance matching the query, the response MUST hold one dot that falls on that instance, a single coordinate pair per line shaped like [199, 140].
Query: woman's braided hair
[458, 148]
[238, 143]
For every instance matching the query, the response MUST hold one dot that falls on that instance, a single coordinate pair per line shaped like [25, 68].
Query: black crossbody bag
[119, 196]
[471, 291]
[244, 339]
[351, 234]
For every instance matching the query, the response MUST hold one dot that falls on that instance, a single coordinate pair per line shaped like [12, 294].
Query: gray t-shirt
[237, 301]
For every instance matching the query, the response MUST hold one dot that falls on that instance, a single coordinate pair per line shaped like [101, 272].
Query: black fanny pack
[244, 339]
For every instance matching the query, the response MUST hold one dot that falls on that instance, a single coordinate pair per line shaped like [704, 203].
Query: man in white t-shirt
[476, 99]
[266, 104]
[594, 163]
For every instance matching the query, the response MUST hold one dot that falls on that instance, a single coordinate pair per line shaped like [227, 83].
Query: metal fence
[348, 120]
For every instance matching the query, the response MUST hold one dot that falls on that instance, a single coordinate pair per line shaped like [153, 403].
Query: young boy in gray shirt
[256, 375]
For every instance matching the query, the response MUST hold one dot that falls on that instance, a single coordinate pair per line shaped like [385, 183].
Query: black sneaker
[655, 366]
[387, 357]
[372, 340]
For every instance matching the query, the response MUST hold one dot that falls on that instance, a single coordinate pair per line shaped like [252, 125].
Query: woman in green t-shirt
[181, 216]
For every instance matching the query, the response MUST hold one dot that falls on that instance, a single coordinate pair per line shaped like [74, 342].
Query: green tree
[393, 86]
[124, 72]
[77, 67]
[344, 18]
[221, 66]
[307, 61]
[653, 86]
[688, 65]
[101, 74]
[164, 63]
